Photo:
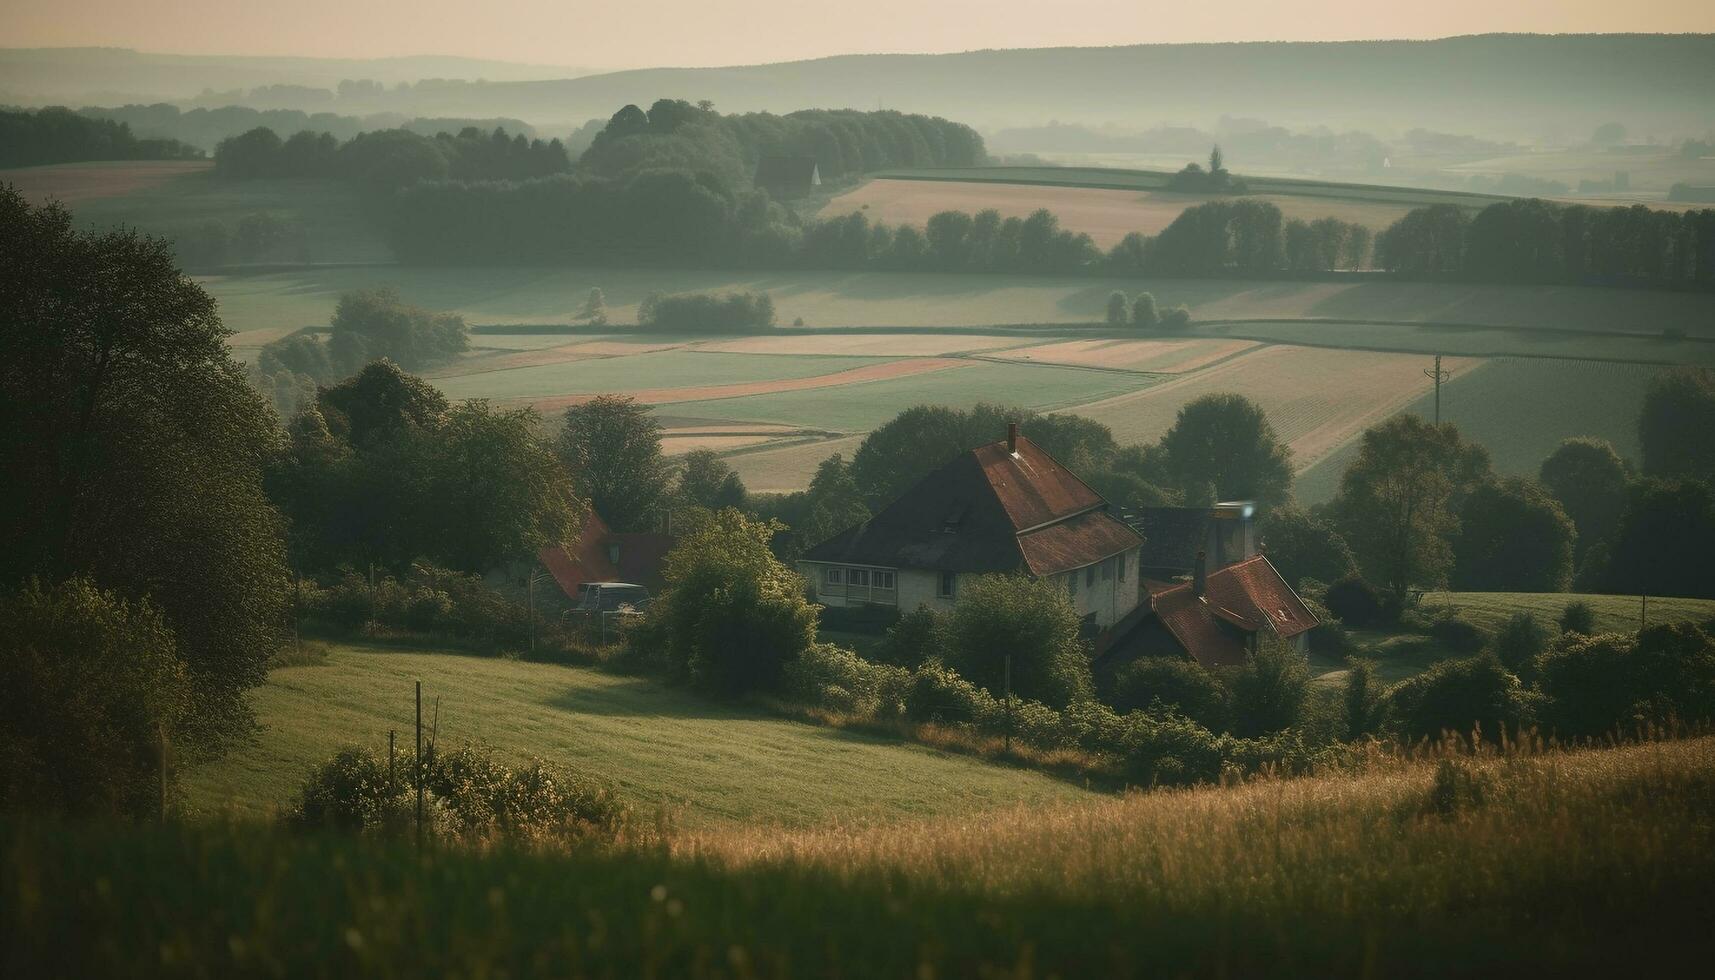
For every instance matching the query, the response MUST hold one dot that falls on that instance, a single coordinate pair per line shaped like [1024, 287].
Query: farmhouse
[1004, 507]
[602, 555]
[787, 176]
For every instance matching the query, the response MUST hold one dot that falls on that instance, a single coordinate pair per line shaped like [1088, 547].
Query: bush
[914, 638]
[1599, 685]
[1030, 620]
[1361, 699]
[704, 313]
[1520, 641]
[352, 792]
[1144, 313]
[1117, 313]
[1457, 695]
[1267, 691]
[1578, 617]
[430, 600]
[937, 693]
[835, 679]
[88, 682]
[1172, 682]
[1355, 601]
[1177, 318]
[1456, 634]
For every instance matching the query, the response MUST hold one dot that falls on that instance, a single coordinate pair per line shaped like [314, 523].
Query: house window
[857, 576]
[1072, 582]
[948, 581]
[1107, 569]
[1122, 560]
[832, 576]
[1089, 575]
[884, 580]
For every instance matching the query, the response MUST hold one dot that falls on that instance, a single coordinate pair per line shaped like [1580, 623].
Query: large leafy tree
[1677, 425]
[732, 614]
[1513, 537]
[1303, 546]
[611, 447]
[497, 494]
[705, 480]
[133, 449]
[1664, 541]
[1589, 479]
[1399, 500]
[920, 439]
[1033, 622]
[1226, 441]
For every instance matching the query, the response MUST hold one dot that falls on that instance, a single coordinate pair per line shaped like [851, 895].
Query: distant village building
[1004, 507]
[602, 555]
[1174, 581]
[787, 176]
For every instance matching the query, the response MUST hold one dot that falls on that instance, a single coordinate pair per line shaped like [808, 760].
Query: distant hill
[84, 76]
[1558, 86]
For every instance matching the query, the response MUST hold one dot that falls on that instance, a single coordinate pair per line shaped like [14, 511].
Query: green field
[1520, 409]
[701, 761]
[861, 407]
[660, 369]
[1590, 863]
[1614, 613]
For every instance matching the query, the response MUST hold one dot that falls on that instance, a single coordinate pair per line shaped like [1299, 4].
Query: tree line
[58, 135]
[388, 158]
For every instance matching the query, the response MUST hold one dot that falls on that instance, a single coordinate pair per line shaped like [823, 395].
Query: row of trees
[1543, 241]
[389, 158]
[206, 127]
[57, 135]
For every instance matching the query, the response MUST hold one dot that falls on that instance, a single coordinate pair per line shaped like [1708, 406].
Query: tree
[1614, 683]
[917, 636]
[732, 615]
[497, 494]
[1217, 161]
[1519, 641]
[1427, 240]
[611, 446]
[1399, 500]
[1175, 682]
[1032, 621]
[833, 502]
[1666, 535]
[1301, 546]
[594, 310]
[1116, 309]
[1589, 479]
[133, 449]
[375, 323]
[705, 480]
[378, 403]
[1578, 617]
[1677, 425]
[1226, 440]
[1513, 537]
[1144, 313]
[1269, 688]
[88, 683]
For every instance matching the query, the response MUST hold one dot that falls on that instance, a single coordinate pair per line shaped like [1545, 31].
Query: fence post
[390, 782]
[1009, 703]
[418, 773]
[161, 730]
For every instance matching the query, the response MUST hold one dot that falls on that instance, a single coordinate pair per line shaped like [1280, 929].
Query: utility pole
[418, 775]
[1439, 376]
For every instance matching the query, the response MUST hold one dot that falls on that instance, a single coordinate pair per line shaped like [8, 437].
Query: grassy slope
[1614, 613]
[662, 747]
[1589, 863]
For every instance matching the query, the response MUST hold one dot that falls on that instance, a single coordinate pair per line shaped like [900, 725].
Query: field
[1106, 215]
[1590, 863]
[665, 749]
[1614, 613]
[81, 183]
[1520, 409]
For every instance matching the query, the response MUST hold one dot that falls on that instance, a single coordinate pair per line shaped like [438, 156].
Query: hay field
[1154, 356]
[700, 396]
[1316, 399]
[78, 183]
[656, 371]
[868, 344]
[784, 469]
[1105, 214]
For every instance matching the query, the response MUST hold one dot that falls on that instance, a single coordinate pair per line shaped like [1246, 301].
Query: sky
[643, 33]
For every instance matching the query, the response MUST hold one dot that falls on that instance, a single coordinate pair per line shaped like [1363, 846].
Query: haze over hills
[82, 76]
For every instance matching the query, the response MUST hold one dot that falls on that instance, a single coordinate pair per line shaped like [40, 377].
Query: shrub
[1597, 685]
[429, 600]
[835, 679]
[1177, 318]
[1578, 617]
[1144, 313]
[1267, 691]
[1030, 620]
[1362, 699]
[1168, 749]
[937, 693]
[352, 792]
[1456, 634]
[1520, 640]
[1457, 695]
[1116, 309]
[1173, 682]
[88, 682]
[1355, 601]
[914, 638]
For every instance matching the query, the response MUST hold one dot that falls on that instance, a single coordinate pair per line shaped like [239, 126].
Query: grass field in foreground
[1592, 863]
[705, 761]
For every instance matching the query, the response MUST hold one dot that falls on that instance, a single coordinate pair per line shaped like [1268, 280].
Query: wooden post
[418, 774]
[531, 578]
[1009, 703]
[390, 783]
[161, 730]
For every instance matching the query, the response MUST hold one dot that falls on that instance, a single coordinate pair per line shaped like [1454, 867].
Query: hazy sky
[717, 32]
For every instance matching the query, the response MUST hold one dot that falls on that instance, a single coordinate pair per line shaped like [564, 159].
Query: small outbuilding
[787, 176]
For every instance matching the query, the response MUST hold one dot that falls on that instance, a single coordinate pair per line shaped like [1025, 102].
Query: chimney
[1012, 438]
[1200, 574]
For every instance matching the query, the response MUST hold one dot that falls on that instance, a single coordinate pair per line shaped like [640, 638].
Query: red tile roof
[1238, 600]
[589, 558]
[989, 510]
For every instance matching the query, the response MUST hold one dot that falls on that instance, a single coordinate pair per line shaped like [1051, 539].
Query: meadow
[81, 183]
[666, 750]
[1583, 863]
